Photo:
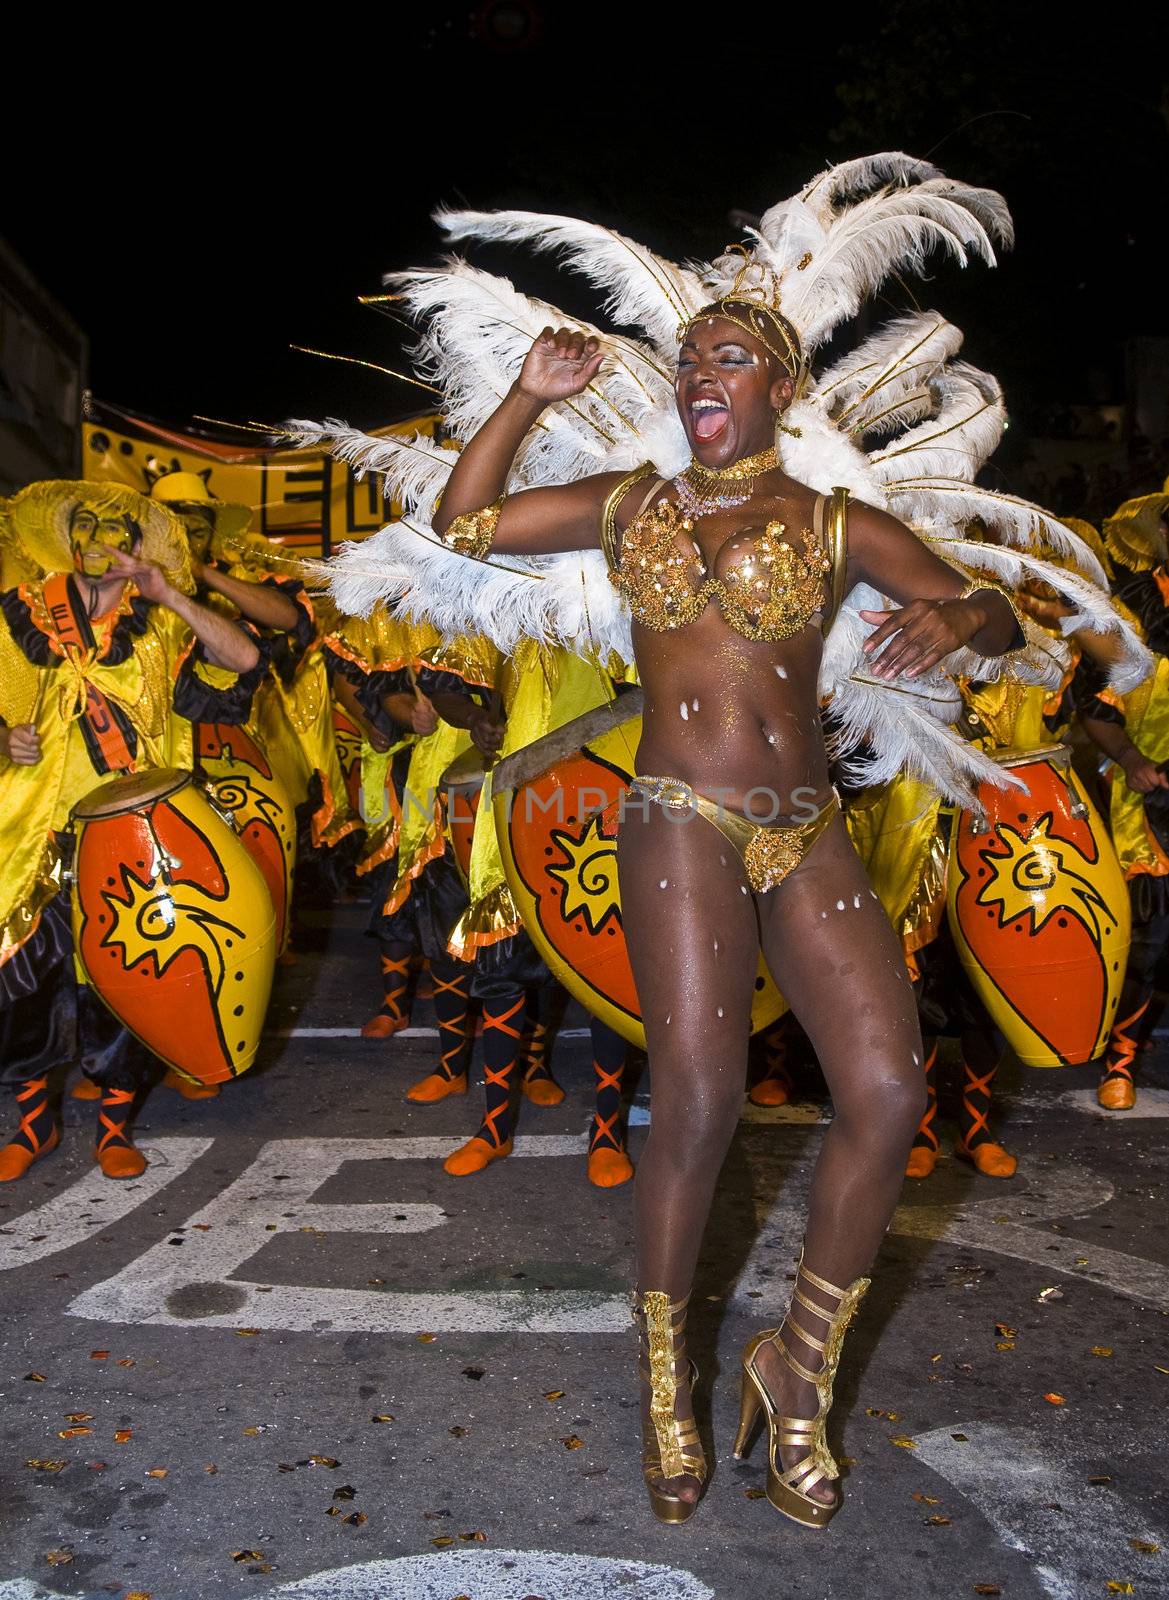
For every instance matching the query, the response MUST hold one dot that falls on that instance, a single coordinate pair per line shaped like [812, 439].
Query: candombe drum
[243, 782]
[172, 922]
[462, 784]
[557, 805]
[1038, 906]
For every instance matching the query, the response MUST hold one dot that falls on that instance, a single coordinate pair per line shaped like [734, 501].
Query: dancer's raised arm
[473, 514]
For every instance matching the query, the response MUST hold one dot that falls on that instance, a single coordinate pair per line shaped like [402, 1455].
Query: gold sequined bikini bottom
[769, 852]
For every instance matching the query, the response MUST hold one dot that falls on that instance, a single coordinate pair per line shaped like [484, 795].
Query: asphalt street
[296, 1358]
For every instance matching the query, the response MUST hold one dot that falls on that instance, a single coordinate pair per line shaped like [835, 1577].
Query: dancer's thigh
[835, 957]
[693, 940]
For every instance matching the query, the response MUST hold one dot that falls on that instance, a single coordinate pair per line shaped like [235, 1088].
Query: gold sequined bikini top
[770, 593]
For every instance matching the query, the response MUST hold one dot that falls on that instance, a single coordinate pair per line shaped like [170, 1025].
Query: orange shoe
[474, 1156]
[1116, 1092]
[609, 1167]
[771, 1091]
[120, 1160]
[542, 1090]
[85, 1089]
[436, 1086]
[923, 1158]
[988, 1158]
[16, 1159]
[383, 1027]
[184, 1086]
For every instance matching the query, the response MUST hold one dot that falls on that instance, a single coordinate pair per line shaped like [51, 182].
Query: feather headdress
[899, 421]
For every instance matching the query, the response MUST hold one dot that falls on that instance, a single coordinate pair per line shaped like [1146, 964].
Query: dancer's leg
[394, 1013]
[693, 941]
[982, 1050]
[827, 939]
[609, 1163]
[503, 1032]
[451, 1001]
[923, 1157]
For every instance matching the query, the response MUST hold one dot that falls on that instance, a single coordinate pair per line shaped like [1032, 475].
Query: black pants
[63, 1021]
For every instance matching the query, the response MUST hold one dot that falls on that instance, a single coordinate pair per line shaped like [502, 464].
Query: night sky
[200, 208]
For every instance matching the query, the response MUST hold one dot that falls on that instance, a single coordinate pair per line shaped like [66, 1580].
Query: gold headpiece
[755, 309]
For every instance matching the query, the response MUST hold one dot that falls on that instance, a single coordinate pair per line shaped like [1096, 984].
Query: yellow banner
[301, 498]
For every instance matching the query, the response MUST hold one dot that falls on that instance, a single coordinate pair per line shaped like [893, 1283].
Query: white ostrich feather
[883, 384]
[642, 288]
[958, 439]
[859, 175]
[949, 503]
[415, 469]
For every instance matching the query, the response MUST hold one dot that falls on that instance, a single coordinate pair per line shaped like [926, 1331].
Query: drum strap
[109, 734]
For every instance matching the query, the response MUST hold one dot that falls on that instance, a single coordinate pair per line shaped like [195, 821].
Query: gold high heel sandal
[672, 1449]
[789, 1488]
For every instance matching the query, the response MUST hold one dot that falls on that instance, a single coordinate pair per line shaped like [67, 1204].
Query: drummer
[1133, 732]
[241, 574]
[114, 662]
[373, 663]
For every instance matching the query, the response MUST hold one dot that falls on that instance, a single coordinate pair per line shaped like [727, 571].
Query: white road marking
[91, 1203]
[195, 1285]
[489, 1574]
[1021, 1482]
[1055, 1192]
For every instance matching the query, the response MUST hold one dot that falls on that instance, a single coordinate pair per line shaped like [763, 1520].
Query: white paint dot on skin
[823, 916]
[716, 947]
[685, 710]
[856, 902]
[720, 1011]
[781, 672]
[669, 1014]
[664, 883]
[694, 705]
[742, 888]
[840, 905]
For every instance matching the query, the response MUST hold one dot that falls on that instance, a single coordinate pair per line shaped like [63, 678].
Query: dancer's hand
[21, 744]
[914, 638]
[562, 362]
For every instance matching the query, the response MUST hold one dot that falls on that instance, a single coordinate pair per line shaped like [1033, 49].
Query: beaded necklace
[695, 487]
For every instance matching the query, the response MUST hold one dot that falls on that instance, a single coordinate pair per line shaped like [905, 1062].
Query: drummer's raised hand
[21, 744]
[486, 733]
[562, 362]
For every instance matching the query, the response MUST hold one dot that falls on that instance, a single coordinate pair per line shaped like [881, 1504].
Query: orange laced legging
[608, 1066]
[503, 1032]
[36, 1120]
[450, 979]
[113, 1117]
[536, 1050]
[396, 970]
[926, 1135]
[1123, 1043]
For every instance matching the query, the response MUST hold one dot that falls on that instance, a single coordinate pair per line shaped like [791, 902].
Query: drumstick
[412, 680]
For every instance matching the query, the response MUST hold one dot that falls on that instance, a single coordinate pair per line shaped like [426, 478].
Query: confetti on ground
[755, 1494]
[1115, 1586]
[554, 1394]
[247, 1555]
[345, 1492]
[1055, 1399]
[99, 1355]
[320, 1461]
[479, 1537]
[34, 1377]
[1101, 1349]
[987, 1588]
[926, 1499]
[960, 1438]
[138, 1594]
[355, 1519]
[126, 1361]
[1102, 1479]
[1003, 1331]
[72, 1433]
[459, 1433]
[59, 1558]
[937, 1521]
[572, 1442]
[1054, 1293]
[47, 1466]
[890, 1416]
[1004, 1344]
[1143, 1547]
[123, 1435]
[157, 1472]
[80, 1416]
[441, 1540]
[247, 1333]
[383, 1416]
[903, 1442]
[210, 1468]
[427, 1338]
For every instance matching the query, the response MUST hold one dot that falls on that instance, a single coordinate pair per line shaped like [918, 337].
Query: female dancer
[733, 573]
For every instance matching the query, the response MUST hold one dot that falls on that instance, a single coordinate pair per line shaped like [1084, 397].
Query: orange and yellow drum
[1039, 910]
[556, 805]
[242, 781]
[172, 922]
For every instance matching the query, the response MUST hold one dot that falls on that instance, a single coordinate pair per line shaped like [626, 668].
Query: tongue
[709, 421]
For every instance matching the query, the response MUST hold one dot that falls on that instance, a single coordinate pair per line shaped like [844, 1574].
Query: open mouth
[708, 418]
